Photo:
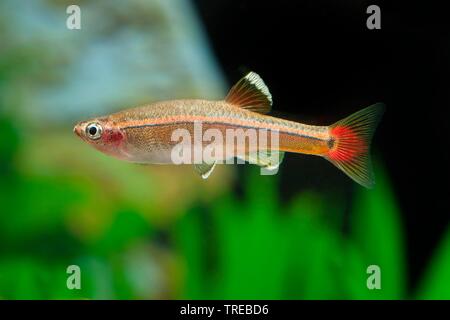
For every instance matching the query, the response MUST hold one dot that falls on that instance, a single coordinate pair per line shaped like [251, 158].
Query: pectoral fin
[205, 169]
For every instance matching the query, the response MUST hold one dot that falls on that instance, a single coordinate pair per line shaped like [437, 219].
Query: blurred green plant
[269, 251]
[435, 282]
[264, 250]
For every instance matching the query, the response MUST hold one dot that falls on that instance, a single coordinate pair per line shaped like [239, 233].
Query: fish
[145, 134]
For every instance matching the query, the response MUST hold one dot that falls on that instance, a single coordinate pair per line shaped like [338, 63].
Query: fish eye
[94, 131]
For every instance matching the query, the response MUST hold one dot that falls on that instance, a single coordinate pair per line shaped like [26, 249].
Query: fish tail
[349, 144]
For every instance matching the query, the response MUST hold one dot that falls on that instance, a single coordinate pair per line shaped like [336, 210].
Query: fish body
[146, 134]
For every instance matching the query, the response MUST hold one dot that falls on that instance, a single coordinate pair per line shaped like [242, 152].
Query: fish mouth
[78, 130]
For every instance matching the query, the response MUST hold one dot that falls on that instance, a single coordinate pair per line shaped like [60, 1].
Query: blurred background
[161, 232]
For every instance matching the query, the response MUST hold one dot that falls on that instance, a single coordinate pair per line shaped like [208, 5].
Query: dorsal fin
[251, 93]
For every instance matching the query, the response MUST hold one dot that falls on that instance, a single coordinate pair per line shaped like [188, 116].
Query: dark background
[321, 63]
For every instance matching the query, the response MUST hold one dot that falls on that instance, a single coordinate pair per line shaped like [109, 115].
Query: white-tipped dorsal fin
[251, 93]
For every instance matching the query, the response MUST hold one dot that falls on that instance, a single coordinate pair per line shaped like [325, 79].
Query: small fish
[144, 134]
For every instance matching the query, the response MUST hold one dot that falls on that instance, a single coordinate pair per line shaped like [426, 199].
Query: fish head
[103, 134]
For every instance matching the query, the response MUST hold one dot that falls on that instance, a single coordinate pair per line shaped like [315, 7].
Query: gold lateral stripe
[231, 121]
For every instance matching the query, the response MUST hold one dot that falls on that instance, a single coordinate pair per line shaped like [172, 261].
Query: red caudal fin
[350, 144]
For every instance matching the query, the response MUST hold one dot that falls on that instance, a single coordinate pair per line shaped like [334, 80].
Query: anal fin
[268, 160]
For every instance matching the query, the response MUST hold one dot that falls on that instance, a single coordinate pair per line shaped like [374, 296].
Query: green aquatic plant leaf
[128, 226]
[314, 250]
[189, 241]
[251, 243]
[435, 281]
[378, 238]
